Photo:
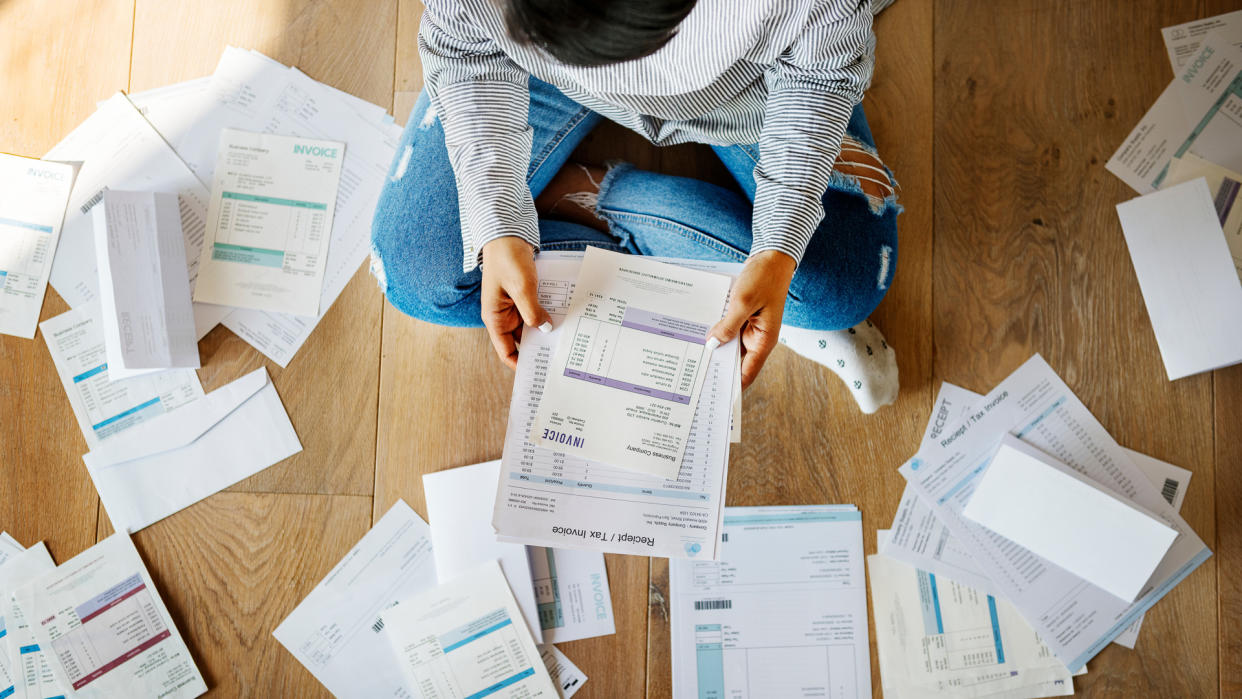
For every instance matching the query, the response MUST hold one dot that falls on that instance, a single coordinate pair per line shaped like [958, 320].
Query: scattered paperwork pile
[1185, 232]
[970, 599]
[94, 626]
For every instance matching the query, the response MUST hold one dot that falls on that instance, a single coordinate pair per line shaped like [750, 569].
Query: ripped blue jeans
[416, 235]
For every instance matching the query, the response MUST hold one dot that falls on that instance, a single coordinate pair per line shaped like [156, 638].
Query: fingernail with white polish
[712, 343]
[546, 327]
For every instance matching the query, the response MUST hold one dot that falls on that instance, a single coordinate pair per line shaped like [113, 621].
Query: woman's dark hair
[595, 32]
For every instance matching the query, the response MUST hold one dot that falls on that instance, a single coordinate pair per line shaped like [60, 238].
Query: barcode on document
[378, 625]
[90, 203]
[1169, 491]
[713, 604]
[724, 537]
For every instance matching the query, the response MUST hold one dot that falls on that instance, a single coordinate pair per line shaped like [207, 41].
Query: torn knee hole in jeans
[859, 169]
[377, 270]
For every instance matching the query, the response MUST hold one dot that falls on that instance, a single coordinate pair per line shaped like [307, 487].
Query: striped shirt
[781, 73]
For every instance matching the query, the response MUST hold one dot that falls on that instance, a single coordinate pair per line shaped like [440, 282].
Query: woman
[482, 181]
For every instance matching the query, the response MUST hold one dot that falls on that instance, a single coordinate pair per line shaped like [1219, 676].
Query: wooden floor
[997, 118]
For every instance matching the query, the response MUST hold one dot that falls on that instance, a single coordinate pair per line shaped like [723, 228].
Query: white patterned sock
[859, 355]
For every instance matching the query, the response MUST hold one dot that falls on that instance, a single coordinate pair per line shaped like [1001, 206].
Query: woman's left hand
[756, 308]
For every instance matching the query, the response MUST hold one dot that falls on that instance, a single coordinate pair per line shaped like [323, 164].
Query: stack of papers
[783, 613]
[1184, 233]
[629, 363]
[563, 594]
[102, 629]
[1034, 413]
[167, 140]
[548, 497]
[33, 195]
[349, 635]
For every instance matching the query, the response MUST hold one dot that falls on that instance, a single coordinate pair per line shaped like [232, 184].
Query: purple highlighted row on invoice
[627, 386]
[665, 326]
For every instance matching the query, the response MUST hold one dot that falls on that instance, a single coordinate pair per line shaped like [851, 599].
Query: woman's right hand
[510, 295]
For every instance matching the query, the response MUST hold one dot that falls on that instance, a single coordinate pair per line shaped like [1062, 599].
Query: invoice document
[466, 639]
[27, 661]
[33, 197]
[782, 614]
[571, 590]
[1190, 286]
[624, 381]
[1074, 618]
[337, 633]
[1184, 40]
[144, 290]
[9, 547]
[1065, 518]
[118, 149]
[564, 674]
[174, 460]
[459, 501]
[1225, 187]
[935, 636]
[252, 92]
[104, 407]
[268, 224]
[555, 499]
[1212, 101]
[1143, 157]
[105, 629]
[924, 542]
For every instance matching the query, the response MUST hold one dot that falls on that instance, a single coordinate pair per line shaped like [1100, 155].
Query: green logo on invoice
[300, 149]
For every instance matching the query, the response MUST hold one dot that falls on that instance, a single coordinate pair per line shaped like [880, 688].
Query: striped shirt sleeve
[811, 91]
[482, 99]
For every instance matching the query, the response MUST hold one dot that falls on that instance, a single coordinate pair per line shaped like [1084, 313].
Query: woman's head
[595, 32]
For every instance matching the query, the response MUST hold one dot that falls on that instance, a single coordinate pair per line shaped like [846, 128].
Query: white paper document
[118, 149]
[1211, 100]
[564, 674]
[1068, 520]
[33, 195]
[144, 290]
[336, 632]
[1143, 158]
[251, 92]
[466, 639]
[26, 661]
[938, 637]
[1189, 283]
[459, 502]
[1184, 40]
[105, 408]
[923, 542]
[268, 225]
[1076, 619]
[555, 499]
[571, 589]
[624, 381]
[172, 461]
[1225, 187]
[782, 614]
[105, 629]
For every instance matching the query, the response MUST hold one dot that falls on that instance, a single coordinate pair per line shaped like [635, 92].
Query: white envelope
[173, 461]
[459, 505]
[1065, 518]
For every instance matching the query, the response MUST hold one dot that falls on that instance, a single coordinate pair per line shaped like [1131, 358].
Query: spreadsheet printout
[549, 498]
[783, 613]
[629, 362]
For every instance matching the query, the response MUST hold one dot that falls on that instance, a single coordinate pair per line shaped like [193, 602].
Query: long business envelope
[171, 462]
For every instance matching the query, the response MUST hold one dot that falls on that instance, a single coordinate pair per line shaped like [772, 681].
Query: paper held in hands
[624, 382]
[1046, 507]
[271, 211]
